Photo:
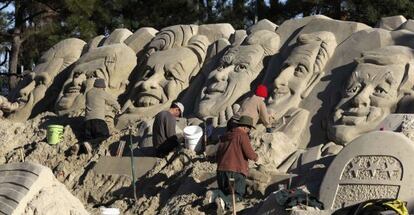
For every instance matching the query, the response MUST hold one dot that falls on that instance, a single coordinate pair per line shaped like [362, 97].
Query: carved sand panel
[375, 165]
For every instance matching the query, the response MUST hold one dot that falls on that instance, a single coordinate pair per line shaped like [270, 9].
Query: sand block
[140, 39]
[409, 25]
[117, 36]
[392, 22]
[29, 188]
[375, 165]
[122, 165]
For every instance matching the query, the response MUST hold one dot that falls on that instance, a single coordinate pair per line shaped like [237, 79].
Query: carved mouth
[147, 100]
[216, 88]
[73, 90]
[354, 116]
[280, 91]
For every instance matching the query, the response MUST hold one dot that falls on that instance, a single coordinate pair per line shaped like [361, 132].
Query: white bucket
[192, 135]
[109, 211]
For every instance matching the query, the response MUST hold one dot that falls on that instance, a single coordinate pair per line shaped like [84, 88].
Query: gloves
[268, 130]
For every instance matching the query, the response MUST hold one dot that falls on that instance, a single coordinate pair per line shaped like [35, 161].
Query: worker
[233, 153]
[255, 107]
[164, 137]
[97, 100]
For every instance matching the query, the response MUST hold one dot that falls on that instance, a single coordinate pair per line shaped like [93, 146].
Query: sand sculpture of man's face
[302, 70]
[371, 93]
[113, 63]
[33, 94]
[238, 68]
[166, 74]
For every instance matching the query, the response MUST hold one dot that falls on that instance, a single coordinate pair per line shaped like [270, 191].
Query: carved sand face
[80, 82]
[371, 94]
[167, 73]
[113, 63]
[289, 85]
[32, 90]
[238, 68]
[301, 71]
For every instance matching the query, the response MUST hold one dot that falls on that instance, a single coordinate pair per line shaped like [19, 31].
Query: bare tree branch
[6, 5]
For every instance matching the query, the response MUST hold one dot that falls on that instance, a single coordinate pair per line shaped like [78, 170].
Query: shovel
[132, 165]
[231, 184]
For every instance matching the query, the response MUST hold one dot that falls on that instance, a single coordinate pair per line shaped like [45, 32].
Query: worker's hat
[246, 121]
[181, 107]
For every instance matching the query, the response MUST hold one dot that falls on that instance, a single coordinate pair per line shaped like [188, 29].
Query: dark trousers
[224, 186]
[96, 129]
[168, 146]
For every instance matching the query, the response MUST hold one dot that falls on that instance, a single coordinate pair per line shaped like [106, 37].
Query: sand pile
[176, 185]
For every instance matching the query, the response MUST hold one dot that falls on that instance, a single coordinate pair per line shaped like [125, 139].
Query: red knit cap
[261, 91]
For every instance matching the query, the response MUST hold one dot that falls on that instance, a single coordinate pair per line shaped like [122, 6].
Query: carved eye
[379, 91]
[168, 75]
[241, 67]
[353, 89]
[300, 71]
[148, 74]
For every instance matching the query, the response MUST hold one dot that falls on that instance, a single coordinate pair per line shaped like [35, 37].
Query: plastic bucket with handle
[192, 135]
[54, 134]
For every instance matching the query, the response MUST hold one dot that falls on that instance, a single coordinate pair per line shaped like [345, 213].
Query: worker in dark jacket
[97, 100]
[233, 153]
[164, 137]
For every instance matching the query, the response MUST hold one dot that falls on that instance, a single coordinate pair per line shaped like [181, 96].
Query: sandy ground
[176, 185]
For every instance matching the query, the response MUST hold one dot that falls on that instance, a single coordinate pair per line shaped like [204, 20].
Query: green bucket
[54, 134]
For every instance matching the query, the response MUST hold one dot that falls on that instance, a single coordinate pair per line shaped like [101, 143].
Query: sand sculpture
[236, 71]
[38, 89]
[330, 82]
[373, 91]
[113, 63]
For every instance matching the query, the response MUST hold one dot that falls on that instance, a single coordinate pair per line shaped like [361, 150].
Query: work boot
[221, 206]
[210, 197]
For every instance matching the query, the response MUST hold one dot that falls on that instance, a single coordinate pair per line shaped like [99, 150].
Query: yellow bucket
[54, 134]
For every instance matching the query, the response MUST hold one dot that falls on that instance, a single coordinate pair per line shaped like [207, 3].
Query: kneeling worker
[233, 153]
[96, 100]
[164, 137]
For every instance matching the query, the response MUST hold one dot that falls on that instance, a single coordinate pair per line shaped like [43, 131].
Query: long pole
[132, 165]
[231, 183]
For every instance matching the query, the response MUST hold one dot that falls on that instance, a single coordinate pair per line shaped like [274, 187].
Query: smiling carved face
[166, 74]
[370, 95]
[238, 68]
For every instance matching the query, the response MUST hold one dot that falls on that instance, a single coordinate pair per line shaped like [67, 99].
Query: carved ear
[268, 40]
[407, 83]
[110, 62]
[199, 44]
[316, 77]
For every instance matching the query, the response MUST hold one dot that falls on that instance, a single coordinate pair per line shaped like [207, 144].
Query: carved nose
[362, 98]
[222, 74]
[284, 76]
[26, 90]
[150, 84]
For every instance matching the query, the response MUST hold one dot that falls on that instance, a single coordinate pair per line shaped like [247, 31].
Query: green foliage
[85, 19]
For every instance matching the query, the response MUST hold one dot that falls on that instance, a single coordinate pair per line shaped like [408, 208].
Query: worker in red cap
[255, 107]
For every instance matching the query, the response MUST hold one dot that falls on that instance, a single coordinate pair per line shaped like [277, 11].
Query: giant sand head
[372, 92]
[238, 68]
[302, 70]
[33, 93]
[113, 63]
[165, 75]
